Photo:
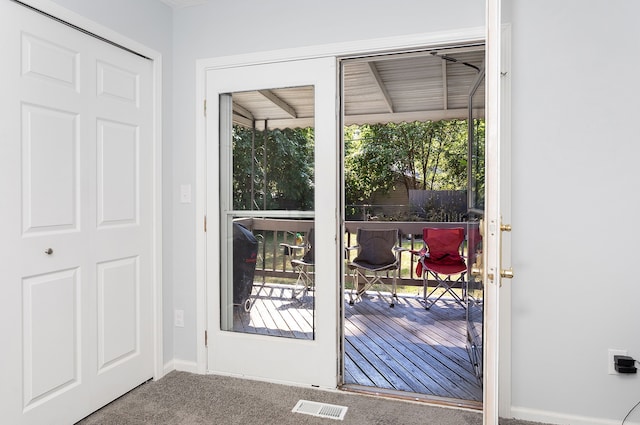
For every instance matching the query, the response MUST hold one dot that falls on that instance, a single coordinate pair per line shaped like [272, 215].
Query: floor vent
[322, 410]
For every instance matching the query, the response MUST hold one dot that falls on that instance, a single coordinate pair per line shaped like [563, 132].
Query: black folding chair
[300, 256]
[377, 256]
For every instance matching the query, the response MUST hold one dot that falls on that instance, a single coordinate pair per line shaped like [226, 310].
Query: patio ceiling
[425, 86]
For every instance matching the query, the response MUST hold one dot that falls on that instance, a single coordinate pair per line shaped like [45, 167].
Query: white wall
[148, 22]
[575, 80]
[243, 26]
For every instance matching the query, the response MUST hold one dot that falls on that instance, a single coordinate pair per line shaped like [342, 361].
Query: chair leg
[394, 291]
[359, 290]
[369, 282]
[353, 285]
[303, 283]
[443, 284]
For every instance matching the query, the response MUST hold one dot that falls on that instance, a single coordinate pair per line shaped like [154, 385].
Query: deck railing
[271, 233]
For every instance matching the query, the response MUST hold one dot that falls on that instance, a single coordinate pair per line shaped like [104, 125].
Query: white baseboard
[180, 365]
[547, 417]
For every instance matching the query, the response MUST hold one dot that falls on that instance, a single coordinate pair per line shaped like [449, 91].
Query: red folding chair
[441, 259]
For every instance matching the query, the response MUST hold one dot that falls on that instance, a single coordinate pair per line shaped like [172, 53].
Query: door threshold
[416, 397]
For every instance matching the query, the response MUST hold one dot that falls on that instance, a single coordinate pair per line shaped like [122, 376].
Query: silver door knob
[49, 251]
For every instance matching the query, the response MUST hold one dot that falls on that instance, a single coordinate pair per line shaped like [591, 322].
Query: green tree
[423, 155]
[285, 181]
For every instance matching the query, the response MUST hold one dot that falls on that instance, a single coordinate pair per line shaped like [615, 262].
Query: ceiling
[177, 4]
[425, 86]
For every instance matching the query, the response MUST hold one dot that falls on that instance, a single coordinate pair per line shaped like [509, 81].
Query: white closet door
[76, 220]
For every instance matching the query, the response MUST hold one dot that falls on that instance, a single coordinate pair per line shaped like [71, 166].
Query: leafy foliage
[285, 180]
[422, 155]
[477, 163]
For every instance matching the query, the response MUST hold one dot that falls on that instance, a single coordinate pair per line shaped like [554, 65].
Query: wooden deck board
[406, 348]
[432, 360]
[379, 350]
[415, 356]
[444, 337]
[440, 360]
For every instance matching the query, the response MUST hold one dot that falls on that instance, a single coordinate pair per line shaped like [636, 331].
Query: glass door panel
[475, 190]
[267, 213]
[476, 146]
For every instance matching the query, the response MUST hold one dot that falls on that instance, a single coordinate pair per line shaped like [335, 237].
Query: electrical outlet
[178, 318]
[610, 364]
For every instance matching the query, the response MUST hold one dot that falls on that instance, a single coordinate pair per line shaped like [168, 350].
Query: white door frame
[497, 258]
[504, 343]
[337, 50]
[330, 50]
[92, 27]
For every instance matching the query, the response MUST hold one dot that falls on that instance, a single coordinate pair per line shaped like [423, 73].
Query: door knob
[49, 251]
[507, 274]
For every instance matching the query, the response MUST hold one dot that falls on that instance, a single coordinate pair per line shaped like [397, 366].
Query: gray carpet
[185, 399]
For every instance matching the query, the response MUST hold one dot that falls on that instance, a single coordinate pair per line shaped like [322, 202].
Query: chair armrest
[292, 246]
[421, 253]
[290, 250]
[398, 250]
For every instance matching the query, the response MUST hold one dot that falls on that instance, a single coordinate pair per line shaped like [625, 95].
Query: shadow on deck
[406, 351]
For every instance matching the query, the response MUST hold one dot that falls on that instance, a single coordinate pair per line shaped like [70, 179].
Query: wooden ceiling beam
[279, 103]
[241, 110]
[381, 86]
[242, 120]
[445, 86]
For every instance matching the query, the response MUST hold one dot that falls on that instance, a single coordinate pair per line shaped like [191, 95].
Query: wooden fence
[439, 205]
[425, 205]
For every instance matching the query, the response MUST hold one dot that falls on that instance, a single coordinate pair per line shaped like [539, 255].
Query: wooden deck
[405, 350]
[410, 349]
[275, 313]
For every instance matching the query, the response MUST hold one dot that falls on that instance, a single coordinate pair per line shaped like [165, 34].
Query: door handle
[48, 251]
[507, 273]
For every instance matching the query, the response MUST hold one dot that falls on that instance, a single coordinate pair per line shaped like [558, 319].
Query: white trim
[158, 310]
[504, 372]
[361, 47]
[200, 206]
[181, 366]
[168, 368]
[492, 220]
[547, 417]
[80, 21]
[54, 9]
[351, 48]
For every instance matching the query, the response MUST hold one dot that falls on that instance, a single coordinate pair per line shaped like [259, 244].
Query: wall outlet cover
[610, 362]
